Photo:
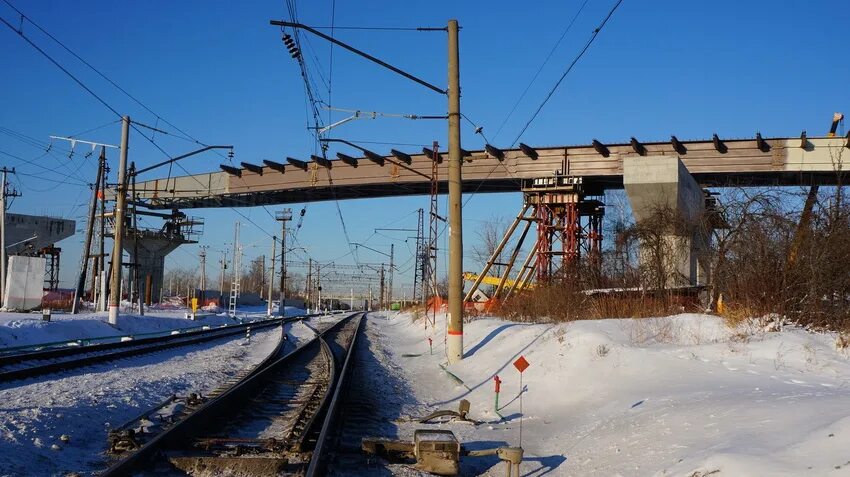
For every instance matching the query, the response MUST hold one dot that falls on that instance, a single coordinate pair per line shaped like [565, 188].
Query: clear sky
[218, 71]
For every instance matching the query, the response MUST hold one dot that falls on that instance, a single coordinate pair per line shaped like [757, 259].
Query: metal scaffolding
[51, 268]
[568, 223]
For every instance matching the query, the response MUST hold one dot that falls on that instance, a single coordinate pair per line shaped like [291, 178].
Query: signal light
[290, 45]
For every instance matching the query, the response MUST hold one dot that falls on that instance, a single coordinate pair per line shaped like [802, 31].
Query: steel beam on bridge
[716, 162]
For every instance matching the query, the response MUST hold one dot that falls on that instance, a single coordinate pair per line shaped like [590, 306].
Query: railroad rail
[38, 363]
[273, 422]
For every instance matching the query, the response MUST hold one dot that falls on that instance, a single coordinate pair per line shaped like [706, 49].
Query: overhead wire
[96, 71]
[309, 87]
[569, 68]
[95, 95]
[331, 64]
[540, 69]
[46, 169]
[551, 92]
[56, 63]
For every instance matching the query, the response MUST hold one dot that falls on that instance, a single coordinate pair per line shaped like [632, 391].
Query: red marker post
[521, 365]
[498, 383]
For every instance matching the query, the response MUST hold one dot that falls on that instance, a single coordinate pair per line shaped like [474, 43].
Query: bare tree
[178, 280]
[253, 279]
[489, 235]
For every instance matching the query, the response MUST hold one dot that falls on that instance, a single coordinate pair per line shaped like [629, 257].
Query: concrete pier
[152, 249]
[665, 197]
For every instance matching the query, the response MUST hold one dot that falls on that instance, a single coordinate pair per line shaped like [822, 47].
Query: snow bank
[24, 329]
[660, 396]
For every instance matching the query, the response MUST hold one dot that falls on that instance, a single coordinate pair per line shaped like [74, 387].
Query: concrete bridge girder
[663, 194]
[748, 162]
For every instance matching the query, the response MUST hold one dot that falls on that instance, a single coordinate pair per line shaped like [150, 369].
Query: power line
[332, 27]
[48, 150]
[385, 143]
[32, 163]
[101, 100]
[71, 75]
[98, 72]
[331, 64]
[569, 68]
[540, 69]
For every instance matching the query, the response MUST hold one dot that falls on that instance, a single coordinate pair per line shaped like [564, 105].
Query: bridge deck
[779, 161]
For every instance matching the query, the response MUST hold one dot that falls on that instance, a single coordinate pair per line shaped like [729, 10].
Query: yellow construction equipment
[491, 280]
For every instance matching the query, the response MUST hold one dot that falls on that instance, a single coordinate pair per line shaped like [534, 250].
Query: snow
[23, 329]
[84, 404]
[669, 396]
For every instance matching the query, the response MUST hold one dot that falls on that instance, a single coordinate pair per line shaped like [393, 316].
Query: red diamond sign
[521, 364]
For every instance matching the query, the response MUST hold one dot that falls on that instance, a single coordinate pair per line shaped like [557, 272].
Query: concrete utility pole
[203, 285]
[455, 325]
[390, 281]
[223, 269]
[308, 291]
[81, 279]
[118, 228]
[319, 286]
[271, 281]
[454, 344]
[134, 279]
[262, 290]
[383, 292]
[101, 259]
[3, 195]
[283, 216]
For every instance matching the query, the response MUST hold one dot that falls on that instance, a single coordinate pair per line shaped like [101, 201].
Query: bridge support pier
[149, 247]
[669, 203]
[150, 261]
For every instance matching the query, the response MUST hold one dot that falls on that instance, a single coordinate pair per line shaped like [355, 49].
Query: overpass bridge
[713, 163]
[560, 185]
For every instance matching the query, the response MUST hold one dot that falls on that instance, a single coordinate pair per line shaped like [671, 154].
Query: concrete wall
[24, 283]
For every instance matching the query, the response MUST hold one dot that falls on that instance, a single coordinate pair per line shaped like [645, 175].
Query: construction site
[342, 276]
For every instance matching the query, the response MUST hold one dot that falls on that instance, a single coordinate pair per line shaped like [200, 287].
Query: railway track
[273, 422]
[38, 363]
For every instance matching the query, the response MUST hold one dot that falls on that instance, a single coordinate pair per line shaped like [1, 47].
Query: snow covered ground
[22, 329]
[672, 396]
[84, 404]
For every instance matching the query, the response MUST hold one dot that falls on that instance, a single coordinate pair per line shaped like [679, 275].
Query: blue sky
[218, 71]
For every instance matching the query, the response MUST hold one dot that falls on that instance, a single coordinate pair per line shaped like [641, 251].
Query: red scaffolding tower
[568, 219]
